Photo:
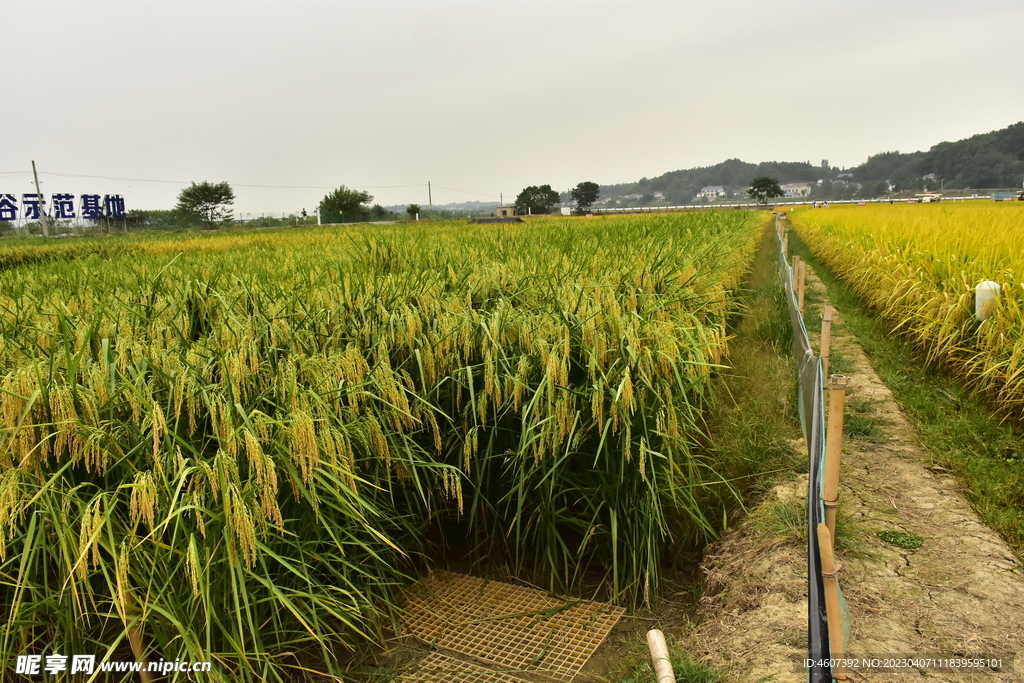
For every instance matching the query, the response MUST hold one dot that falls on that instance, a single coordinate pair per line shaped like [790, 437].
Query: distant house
[711, 192]
[505, 211]
[844, 178]
[796, 190]
[636, 195]
[659, 196]
[930, 176]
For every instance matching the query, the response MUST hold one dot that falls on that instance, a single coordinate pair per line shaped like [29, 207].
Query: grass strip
[755, 417]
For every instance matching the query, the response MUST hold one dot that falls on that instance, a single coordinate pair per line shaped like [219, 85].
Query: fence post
[796, 282]
[833, 449]
[836, 647]
[801, 278]
[826, 337]
[659, 655]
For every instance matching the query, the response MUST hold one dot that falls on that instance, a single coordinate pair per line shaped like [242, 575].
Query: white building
[796, 190]
[711, 192]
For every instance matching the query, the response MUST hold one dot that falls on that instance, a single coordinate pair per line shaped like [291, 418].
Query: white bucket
[984, 296]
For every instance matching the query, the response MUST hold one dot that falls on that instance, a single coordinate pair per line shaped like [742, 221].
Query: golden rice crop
[237, 446]
[919, 264]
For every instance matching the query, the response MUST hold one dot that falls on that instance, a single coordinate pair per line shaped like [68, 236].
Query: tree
[209, 203]
[378, 212]
[535, 199]
[875, 190]
[345, 205]
[764, 188]
[413, 210]
[585, 194]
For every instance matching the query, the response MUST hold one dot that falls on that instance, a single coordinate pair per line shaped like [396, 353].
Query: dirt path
[961, 591]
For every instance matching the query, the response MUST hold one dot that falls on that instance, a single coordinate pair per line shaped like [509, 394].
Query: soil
[961, 592]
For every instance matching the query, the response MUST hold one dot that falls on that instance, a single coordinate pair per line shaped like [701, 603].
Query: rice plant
[237, 447]
[918, 266]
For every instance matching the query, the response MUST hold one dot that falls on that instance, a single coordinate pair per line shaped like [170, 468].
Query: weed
[786, 522]
[685, 669]
[838, 363]
[901, 539]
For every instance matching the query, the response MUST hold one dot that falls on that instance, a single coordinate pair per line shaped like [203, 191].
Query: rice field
[237, 447]
[918, 266]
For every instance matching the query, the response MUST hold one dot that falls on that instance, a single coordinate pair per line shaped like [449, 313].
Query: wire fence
[828, 627]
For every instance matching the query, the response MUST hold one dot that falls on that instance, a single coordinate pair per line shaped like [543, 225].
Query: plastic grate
[440, 668]
[522, 629]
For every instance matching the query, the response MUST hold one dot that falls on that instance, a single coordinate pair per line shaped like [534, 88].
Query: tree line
[985, 161]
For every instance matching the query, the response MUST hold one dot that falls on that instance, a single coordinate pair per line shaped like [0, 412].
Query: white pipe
[659, 655]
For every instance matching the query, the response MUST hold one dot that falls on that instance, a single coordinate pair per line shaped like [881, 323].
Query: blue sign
[30, 203]
[63, 206]
[8, 207]
[115, 205]
[90, 206]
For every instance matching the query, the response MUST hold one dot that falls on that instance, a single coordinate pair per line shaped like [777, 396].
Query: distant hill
[988, 160]
[680, 187]
[474, 207]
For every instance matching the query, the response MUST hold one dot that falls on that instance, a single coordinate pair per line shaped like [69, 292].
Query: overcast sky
[481, 97]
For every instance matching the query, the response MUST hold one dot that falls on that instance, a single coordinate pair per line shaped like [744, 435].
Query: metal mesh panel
[440, 668]
[521, 629]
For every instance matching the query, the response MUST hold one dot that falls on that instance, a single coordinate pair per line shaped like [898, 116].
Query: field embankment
[921, 573]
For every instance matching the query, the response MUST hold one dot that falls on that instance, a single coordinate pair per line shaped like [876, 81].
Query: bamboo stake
[829, 569]
[826, 337]
[833, 449]
[801, 277]
[659, 655]
[796, 278]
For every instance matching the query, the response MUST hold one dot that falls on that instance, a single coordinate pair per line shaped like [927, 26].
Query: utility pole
[430, 198]
[39, 196]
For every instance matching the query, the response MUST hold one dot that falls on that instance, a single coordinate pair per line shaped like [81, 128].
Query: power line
[280, 187]
[236, 184]
[468, 191]
[105, 177]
